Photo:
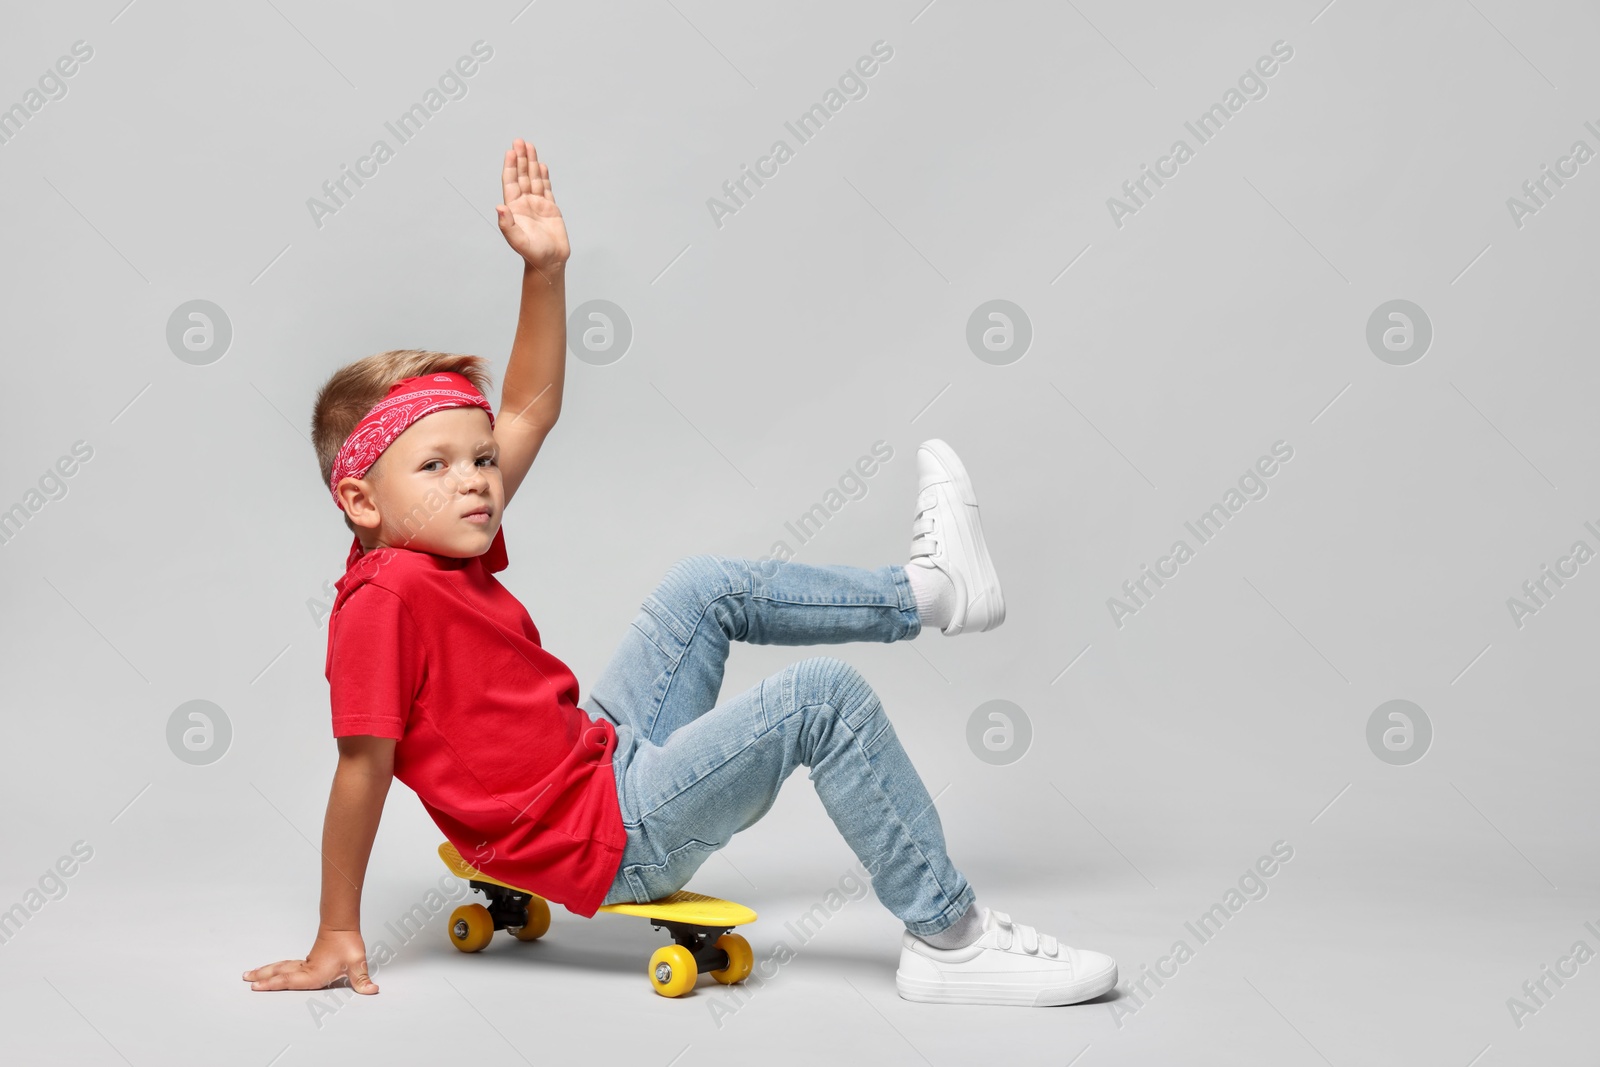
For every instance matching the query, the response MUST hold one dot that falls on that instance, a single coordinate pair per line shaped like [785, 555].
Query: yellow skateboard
[698, 924]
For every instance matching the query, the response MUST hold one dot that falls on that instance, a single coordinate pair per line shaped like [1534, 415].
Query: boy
[437, 675]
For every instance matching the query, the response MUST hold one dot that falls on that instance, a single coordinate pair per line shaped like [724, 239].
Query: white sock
[961, 933]
[934, 592]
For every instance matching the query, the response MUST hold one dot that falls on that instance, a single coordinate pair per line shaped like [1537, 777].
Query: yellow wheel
[672, 971]
[537, 923]
[740, 959]
[471, 928]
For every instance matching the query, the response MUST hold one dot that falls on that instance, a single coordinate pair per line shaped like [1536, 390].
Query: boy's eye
[482, 461]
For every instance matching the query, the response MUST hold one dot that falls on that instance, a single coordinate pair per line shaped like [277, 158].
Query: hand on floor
[335, 953]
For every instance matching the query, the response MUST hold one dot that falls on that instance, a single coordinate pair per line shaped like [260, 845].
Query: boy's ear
[355, 494]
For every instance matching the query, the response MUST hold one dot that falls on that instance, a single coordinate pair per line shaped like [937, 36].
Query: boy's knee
[829, 680]
[703, 571]
[691, 580]
[835, 703]
[687, 569]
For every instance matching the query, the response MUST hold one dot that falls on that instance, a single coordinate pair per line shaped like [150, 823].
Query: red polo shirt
[434, 652]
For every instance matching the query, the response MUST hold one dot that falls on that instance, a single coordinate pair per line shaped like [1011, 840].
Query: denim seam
[767, 727]
[677, 661]
[855, 737]
[656, 644]
[872, 745]
[701, 775]
[666, 861]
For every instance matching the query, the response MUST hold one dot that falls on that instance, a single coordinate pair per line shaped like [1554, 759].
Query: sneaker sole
[962, 483]
[973, 991]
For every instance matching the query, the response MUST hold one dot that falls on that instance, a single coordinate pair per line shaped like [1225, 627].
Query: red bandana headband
[408, 400]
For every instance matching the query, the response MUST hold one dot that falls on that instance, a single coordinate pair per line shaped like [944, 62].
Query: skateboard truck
[701, 941]
[509, 909]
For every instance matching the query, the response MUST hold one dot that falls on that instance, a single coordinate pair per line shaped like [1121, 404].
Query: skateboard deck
[699, 925]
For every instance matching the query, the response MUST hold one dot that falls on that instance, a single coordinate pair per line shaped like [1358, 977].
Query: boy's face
[436, 489]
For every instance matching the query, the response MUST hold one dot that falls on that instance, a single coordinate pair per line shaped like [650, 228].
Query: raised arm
[530, 396]
[360, 785]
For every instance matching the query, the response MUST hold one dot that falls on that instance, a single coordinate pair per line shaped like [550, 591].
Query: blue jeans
[691, 773]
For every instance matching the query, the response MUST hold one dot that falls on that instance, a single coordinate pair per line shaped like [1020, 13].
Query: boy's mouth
[478, 515]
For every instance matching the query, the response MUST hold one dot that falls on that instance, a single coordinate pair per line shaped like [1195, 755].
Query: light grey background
[1168, 354]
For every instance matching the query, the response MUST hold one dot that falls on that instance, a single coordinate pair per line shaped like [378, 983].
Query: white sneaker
[947, 536]
[1009, 964]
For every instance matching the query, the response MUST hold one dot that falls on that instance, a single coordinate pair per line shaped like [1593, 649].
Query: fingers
[291, 974]
[509, 229]
[508, 176]
[262, 973]
[536, 171]
[522, 174]
[294, 974]
[523, 181]
[527, 149]
[361, 981]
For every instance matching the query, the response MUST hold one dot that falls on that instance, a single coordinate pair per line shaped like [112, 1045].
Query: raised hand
[529, 219]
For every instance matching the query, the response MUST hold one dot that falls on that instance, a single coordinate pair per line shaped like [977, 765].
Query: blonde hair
[356, 387]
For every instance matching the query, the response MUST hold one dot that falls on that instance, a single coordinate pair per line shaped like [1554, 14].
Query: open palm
[529, 218]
